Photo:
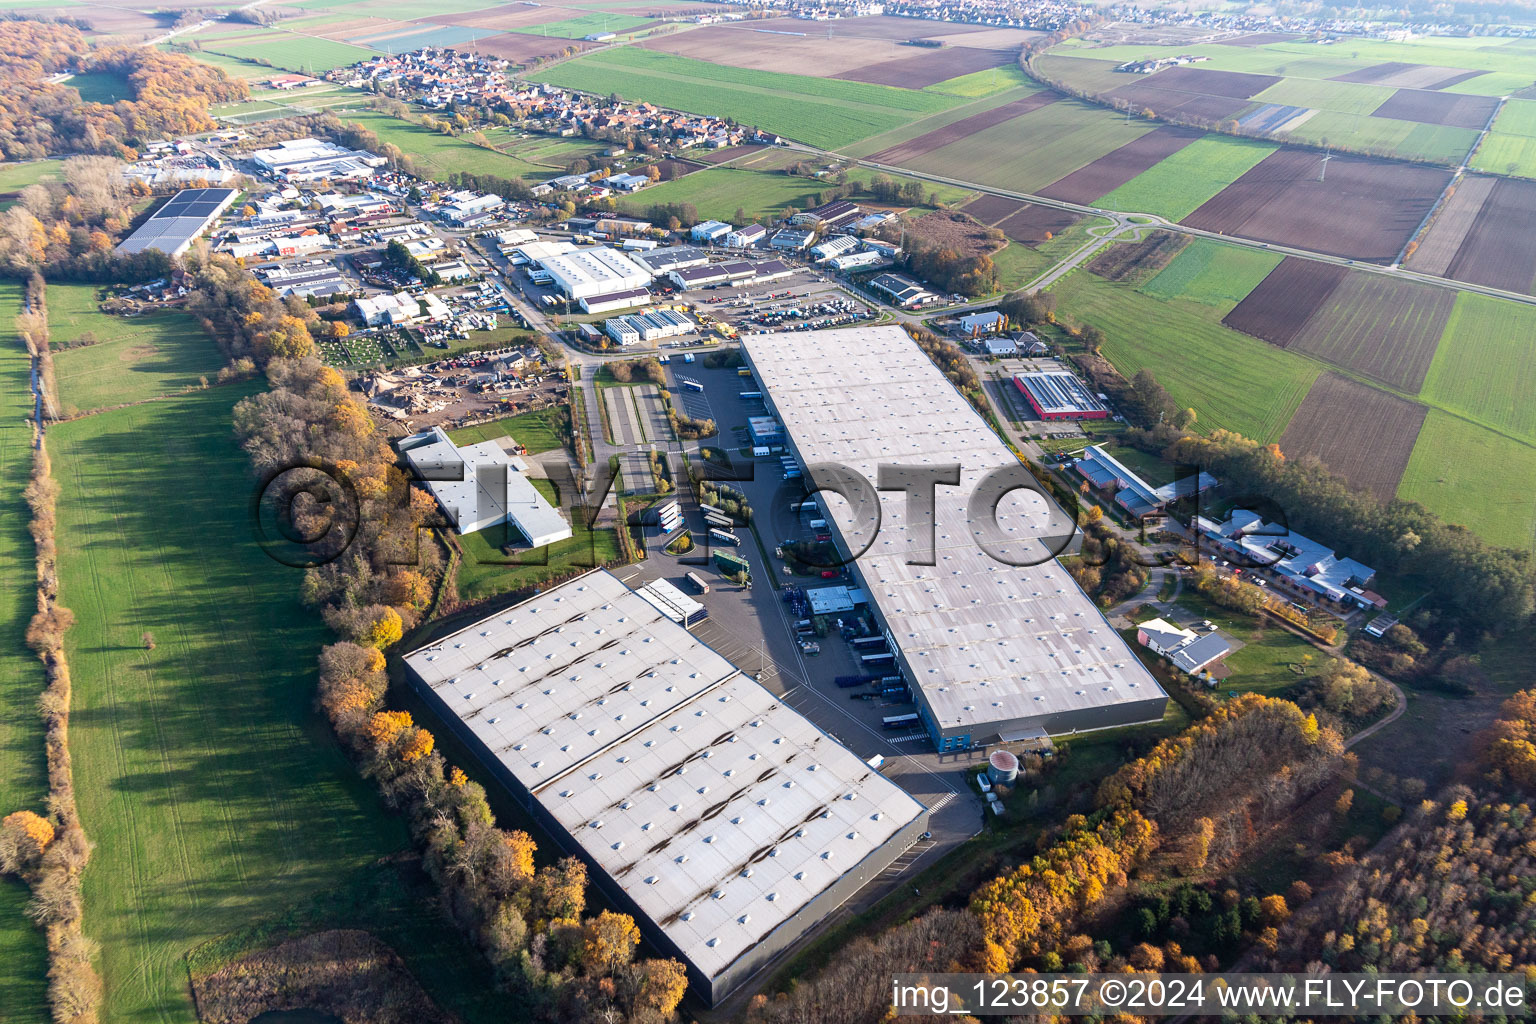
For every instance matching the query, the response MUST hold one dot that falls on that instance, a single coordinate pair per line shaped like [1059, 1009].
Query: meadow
[134, 358]
[101, 87]
[23, 775]
[979, 84]
[1474, 477]
[1212, 274]
[1483, 368]
[16, 176]
[444, 154]
[1345, 97]
[1180, 184]
[1233, 382]
[486, 570]
[718, 192]
[537, 431]
[933, 122]
[1035, 149]
[822, 112]
[212, 790]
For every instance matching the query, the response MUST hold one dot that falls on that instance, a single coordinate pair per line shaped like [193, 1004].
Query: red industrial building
[1058, 395]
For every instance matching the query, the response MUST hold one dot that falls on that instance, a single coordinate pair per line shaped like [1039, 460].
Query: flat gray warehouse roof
[719, 811]
[986, 642]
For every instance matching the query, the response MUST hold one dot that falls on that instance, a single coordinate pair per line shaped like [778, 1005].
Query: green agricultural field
[101, 87]
[1483, 368]
[293, 52]
[1212, 274]
[212, 790]
[23, 774]
[484, 571]
[537, 431]
[1180, 184]
[444, 154]
[1475, 478]
[1387, 135]
[1031, 151]
[233, 66]
[922, 126]
[135, 357]
[823, 112]
[16, 176]
[1345, 97]
[1234, 382]
[978, 84]
[585, 25]
[1510, 147]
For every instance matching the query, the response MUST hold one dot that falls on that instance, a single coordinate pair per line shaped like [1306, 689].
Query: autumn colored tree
[386, 629]
[24, 835]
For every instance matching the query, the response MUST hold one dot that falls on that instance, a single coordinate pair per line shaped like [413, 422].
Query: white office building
[481, 486]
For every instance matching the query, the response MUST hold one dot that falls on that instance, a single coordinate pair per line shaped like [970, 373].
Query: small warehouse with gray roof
[722, 820]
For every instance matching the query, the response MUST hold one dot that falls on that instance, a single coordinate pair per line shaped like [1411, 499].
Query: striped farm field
[823, 112]
[1345, 97]
[1035, 149]
[1233, 382]
[213, 792]
[1387, 135]
[1484, 369]
[1180, 184]
[1212, 274]
[1475, 478]
[293, 52]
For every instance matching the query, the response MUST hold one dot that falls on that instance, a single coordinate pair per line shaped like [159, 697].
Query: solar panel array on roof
[172, 228]
[1059, 393]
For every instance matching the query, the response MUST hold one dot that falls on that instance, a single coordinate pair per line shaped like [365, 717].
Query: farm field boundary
[1360, 432]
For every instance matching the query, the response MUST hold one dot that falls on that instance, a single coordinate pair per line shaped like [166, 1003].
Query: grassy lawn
[537, 431]
[1264, 663]
[484, 571]
[1474, 478]
[444, 154]
[1483, 367]
[23, 775]
[1035, 149]
[824, 112]
[1017, 265]
[1180, 184]
[101, 87]
[215, 795]
[1232, 381]
[16, 176]
[136, 358]
[1212, 274]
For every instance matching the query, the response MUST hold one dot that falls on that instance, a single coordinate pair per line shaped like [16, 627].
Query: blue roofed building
[1298, 565]
[1107, 473]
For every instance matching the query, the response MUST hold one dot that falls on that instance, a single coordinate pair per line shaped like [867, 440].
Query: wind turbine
[1322, 174]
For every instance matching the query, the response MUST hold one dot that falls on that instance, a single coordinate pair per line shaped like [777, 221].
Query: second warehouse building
[993, 649]
[720, 818]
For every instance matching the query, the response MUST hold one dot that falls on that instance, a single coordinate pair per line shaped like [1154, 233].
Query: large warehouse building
[173, 228]
[480, 486]
[598, 271]
[721, 819]
[994, 651]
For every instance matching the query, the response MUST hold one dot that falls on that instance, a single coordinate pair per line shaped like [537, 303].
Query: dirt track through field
[1278, 309]
[1107, 173]
[1361, 433]
[1366, 209]
[964, 128]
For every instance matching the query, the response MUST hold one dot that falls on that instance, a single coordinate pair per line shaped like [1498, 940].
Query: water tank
[1002, 768]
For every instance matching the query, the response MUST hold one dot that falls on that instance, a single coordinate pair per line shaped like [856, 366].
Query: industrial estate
[602, 512]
